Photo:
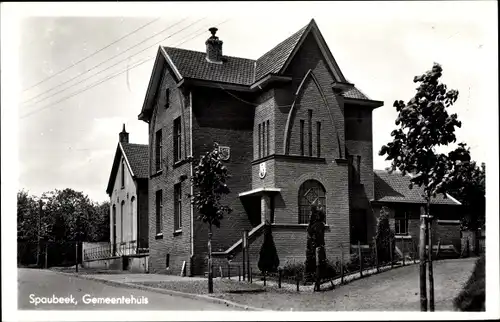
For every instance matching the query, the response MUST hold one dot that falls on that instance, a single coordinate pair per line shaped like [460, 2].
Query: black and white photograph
[249, 160]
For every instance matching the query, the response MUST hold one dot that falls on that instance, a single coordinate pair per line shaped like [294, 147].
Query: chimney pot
[123, 136]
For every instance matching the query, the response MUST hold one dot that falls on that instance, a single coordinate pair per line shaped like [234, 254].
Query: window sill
[178, 232]
[159, 236]
[294, 226]
[179, 163]
[157, 173]
[402, 236]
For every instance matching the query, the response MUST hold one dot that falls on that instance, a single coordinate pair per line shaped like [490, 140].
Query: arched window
[311, 192]
[113, 234]
[121, 220]
[132, 211]
[123, 173]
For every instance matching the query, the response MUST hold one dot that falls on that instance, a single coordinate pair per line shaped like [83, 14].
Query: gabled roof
[136, 158]
[272, 61]
[188, 64]
[394, 187]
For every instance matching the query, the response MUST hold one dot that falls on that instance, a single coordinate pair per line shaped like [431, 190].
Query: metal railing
[114, 250]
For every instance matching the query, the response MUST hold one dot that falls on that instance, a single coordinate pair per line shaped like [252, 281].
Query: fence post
[341, 264]
[220, 271]
[390, 252]
[297, 281]
[264, 278]
[439, 246]
[404, 244]
[360, 259]
[76, 256]
[46, 251]
[228, 270]
[467, 246]
[376, 253]
[280, 272]
[239, 273]
[250, 277]
[317, 284]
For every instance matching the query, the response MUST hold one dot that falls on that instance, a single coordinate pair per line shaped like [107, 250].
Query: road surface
[36, 288]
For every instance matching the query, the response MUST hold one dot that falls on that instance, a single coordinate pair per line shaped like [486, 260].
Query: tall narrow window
[318, 139]
[132, 217]
[158, 150]
[310, 130]
[358, 169]
[122, 174]
[260, 135]
[301, 137]
[159, 211]
[267, 137]
[401, 222]
[122, 206]
[177, 207]
[264, 140]
[177, 139]
[167, 98]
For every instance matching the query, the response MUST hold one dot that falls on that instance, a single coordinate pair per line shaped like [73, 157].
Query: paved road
[42, 285]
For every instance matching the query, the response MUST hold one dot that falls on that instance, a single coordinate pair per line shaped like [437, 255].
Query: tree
[384, 236]
[315, 239]
[27, 214]
[468, 187]
[268, 259]
[424, 125]
[209, 180]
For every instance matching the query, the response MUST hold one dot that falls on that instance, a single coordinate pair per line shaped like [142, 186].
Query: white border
[11, 15]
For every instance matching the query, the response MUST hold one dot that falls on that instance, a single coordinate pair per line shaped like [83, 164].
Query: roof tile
[137, 156]
[193, 64]
[394, 187]
[273, 60]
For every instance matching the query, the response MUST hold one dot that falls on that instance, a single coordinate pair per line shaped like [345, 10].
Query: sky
[71, 109]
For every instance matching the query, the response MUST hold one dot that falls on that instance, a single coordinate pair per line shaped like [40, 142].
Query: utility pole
[38, 248]
[76, 241]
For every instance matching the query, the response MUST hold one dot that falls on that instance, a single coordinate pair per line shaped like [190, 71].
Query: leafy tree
[268, 259]
[384, 236]
[424, 125]
[468, 187]
[27, 215]
[209, 180]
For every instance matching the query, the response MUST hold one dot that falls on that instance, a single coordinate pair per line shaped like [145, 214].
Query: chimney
[214, 47]
[123, 135]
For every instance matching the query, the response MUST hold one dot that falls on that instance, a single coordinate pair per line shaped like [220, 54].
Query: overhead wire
[105, 61]
[198, 33]
[93, 54]
[109, 67]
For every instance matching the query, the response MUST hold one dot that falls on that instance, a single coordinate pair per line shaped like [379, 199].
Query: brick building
[297, 132]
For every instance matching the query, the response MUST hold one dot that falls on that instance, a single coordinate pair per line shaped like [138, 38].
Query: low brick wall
[112, 263]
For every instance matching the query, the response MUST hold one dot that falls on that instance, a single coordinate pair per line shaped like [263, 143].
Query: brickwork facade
[299, 130]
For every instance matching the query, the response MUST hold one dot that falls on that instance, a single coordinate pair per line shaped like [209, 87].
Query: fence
[363, 260]
[113, 250]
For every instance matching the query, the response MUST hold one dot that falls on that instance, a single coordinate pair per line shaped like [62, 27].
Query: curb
[165, 291]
